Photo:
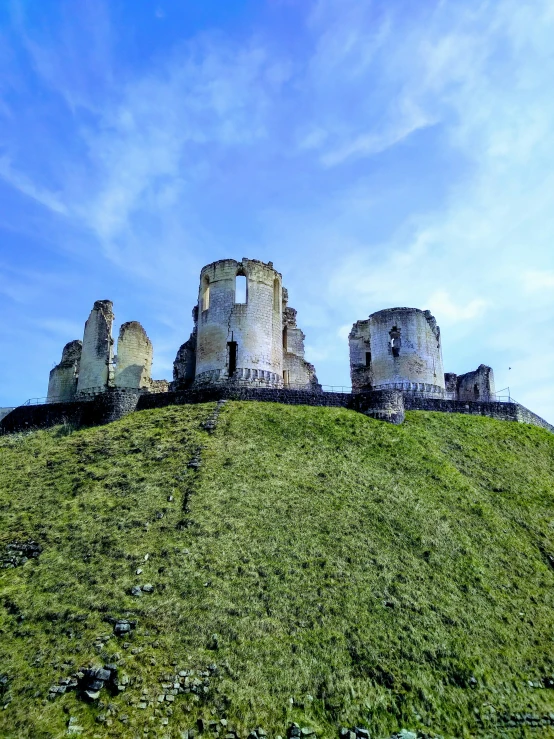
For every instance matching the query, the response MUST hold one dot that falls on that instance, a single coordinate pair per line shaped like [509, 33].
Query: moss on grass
[354, 572]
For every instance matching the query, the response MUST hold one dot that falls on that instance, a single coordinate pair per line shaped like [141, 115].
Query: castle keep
[248, 339]
[245, 344]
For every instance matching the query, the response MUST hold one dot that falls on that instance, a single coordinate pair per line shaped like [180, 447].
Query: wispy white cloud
[18, 180]
[442, 305]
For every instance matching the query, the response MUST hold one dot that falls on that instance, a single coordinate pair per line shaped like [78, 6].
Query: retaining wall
[500, 411]
[385, 405]
[100, 409]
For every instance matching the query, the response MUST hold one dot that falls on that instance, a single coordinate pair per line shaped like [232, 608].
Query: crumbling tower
[243, 334]
[240, 335]
[397, 348]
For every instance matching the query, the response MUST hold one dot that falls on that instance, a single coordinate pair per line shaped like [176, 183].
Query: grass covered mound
[308, 564]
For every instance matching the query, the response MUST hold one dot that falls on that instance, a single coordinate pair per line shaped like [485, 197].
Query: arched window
[276, 296]
[285, 339]
[240, 289]
[205, 293]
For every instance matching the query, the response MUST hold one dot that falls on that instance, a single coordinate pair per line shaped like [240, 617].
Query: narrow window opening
[285, 338]
[240, 289]
[394, 334]
[276, 296]
[232, 349]
[286, 377]
[206, 294]
[476, 391]
[368, 359]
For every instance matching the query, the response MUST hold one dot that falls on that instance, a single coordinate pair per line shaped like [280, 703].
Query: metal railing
[84, 395]
[499, 398]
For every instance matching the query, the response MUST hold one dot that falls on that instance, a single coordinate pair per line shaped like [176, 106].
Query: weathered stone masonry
[384, 405]
[251, 340]
[249, 347]
[62, 384]
[89, 367]
[397, 348]
[400, 348]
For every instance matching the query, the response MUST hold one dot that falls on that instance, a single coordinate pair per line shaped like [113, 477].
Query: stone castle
[251, 339]
[246, 345]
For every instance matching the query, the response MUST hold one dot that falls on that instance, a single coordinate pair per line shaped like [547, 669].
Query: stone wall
[297, 373]
[239, 341]
[359, 344]
[27, 417]
[158, 386]
[397, 348]
[134, 357]
[476, 385]
[451, 385]
[493, 409]
[97, 354]
[184, 366]
[93, 410]
[62, 384]
[385, 405]
[524, 415]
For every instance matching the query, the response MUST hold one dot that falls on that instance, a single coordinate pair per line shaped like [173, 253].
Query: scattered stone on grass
[16, 553]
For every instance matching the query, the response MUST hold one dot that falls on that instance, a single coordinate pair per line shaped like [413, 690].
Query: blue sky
[379, 153]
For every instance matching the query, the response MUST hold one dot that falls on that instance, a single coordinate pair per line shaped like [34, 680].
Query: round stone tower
[401, 350]
[240, 324]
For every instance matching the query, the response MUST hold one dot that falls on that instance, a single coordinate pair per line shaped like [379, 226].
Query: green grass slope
[338, 571]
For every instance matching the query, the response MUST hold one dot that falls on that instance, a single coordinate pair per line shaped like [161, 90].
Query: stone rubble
[18, 552]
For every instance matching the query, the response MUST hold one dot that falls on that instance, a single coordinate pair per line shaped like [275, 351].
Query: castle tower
[397, 348]
[240, 327]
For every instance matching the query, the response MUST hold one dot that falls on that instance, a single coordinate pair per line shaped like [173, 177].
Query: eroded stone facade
[250, 339]
[96, 367]
[400, 348]
[476, 385]
[297, 373]
[397, 348]
[134, 357]
[89, 367]
[62, 384]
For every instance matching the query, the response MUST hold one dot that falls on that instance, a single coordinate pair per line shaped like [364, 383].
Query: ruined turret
[243, 334]
[397, 348]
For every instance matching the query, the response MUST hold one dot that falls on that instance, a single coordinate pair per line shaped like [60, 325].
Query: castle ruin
[246, 337]
[246, 344]
[89, 367]
[400, 349]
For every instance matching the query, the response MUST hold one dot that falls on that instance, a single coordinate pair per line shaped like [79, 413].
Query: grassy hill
[307, 564]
